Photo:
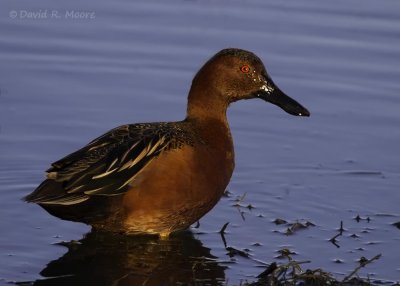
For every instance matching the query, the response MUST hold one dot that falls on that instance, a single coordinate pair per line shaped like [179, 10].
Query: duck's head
[235, 74]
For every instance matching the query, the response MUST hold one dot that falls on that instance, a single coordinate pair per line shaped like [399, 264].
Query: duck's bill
[275, 96]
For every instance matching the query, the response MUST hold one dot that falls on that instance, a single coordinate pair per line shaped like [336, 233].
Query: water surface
[64, 81]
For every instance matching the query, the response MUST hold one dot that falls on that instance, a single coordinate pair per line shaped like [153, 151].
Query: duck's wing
[108, 164]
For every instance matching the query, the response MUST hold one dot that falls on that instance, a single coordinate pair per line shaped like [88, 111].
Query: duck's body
[161, 177]
[94, 185]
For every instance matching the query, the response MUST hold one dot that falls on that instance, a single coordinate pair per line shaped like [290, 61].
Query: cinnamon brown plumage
[162, 177]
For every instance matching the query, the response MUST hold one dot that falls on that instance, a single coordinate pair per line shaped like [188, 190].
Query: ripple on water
[62, 83]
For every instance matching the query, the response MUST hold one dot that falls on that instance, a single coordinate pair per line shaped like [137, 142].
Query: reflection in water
[111, 259]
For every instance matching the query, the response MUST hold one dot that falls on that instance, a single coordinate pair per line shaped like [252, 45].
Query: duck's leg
[164, 235]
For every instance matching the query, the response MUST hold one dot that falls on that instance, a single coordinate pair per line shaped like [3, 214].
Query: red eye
[245, 69]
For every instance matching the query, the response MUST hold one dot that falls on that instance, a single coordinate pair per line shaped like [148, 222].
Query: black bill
[271, 93]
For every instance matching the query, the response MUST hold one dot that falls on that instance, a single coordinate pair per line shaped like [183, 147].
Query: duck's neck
[205, 101]
[203, 111]
[207, 112]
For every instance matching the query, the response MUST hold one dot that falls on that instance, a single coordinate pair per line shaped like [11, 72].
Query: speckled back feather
[108, 164]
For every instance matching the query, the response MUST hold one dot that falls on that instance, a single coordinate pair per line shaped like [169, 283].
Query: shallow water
[64, 81]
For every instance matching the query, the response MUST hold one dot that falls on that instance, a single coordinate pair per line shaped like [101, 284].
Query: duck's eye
[245, 69]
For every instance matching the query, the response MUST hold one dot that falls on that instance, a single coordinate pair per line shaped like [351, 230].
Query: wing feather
[107, 165]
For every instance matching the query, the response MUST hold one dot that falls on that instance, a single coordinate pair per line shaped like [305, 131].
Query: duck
[159, 178]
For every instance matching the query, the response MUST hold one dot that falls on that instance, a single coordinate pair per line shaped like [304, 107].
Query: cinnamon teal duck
[160, 178]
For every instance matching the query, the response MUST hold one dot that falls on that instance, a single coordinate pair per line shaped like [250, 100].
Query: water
[64, 81]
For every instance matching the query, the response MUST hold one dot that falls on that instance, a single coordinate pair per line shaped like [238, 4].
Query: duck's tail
[51, 196]
[51, 192]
